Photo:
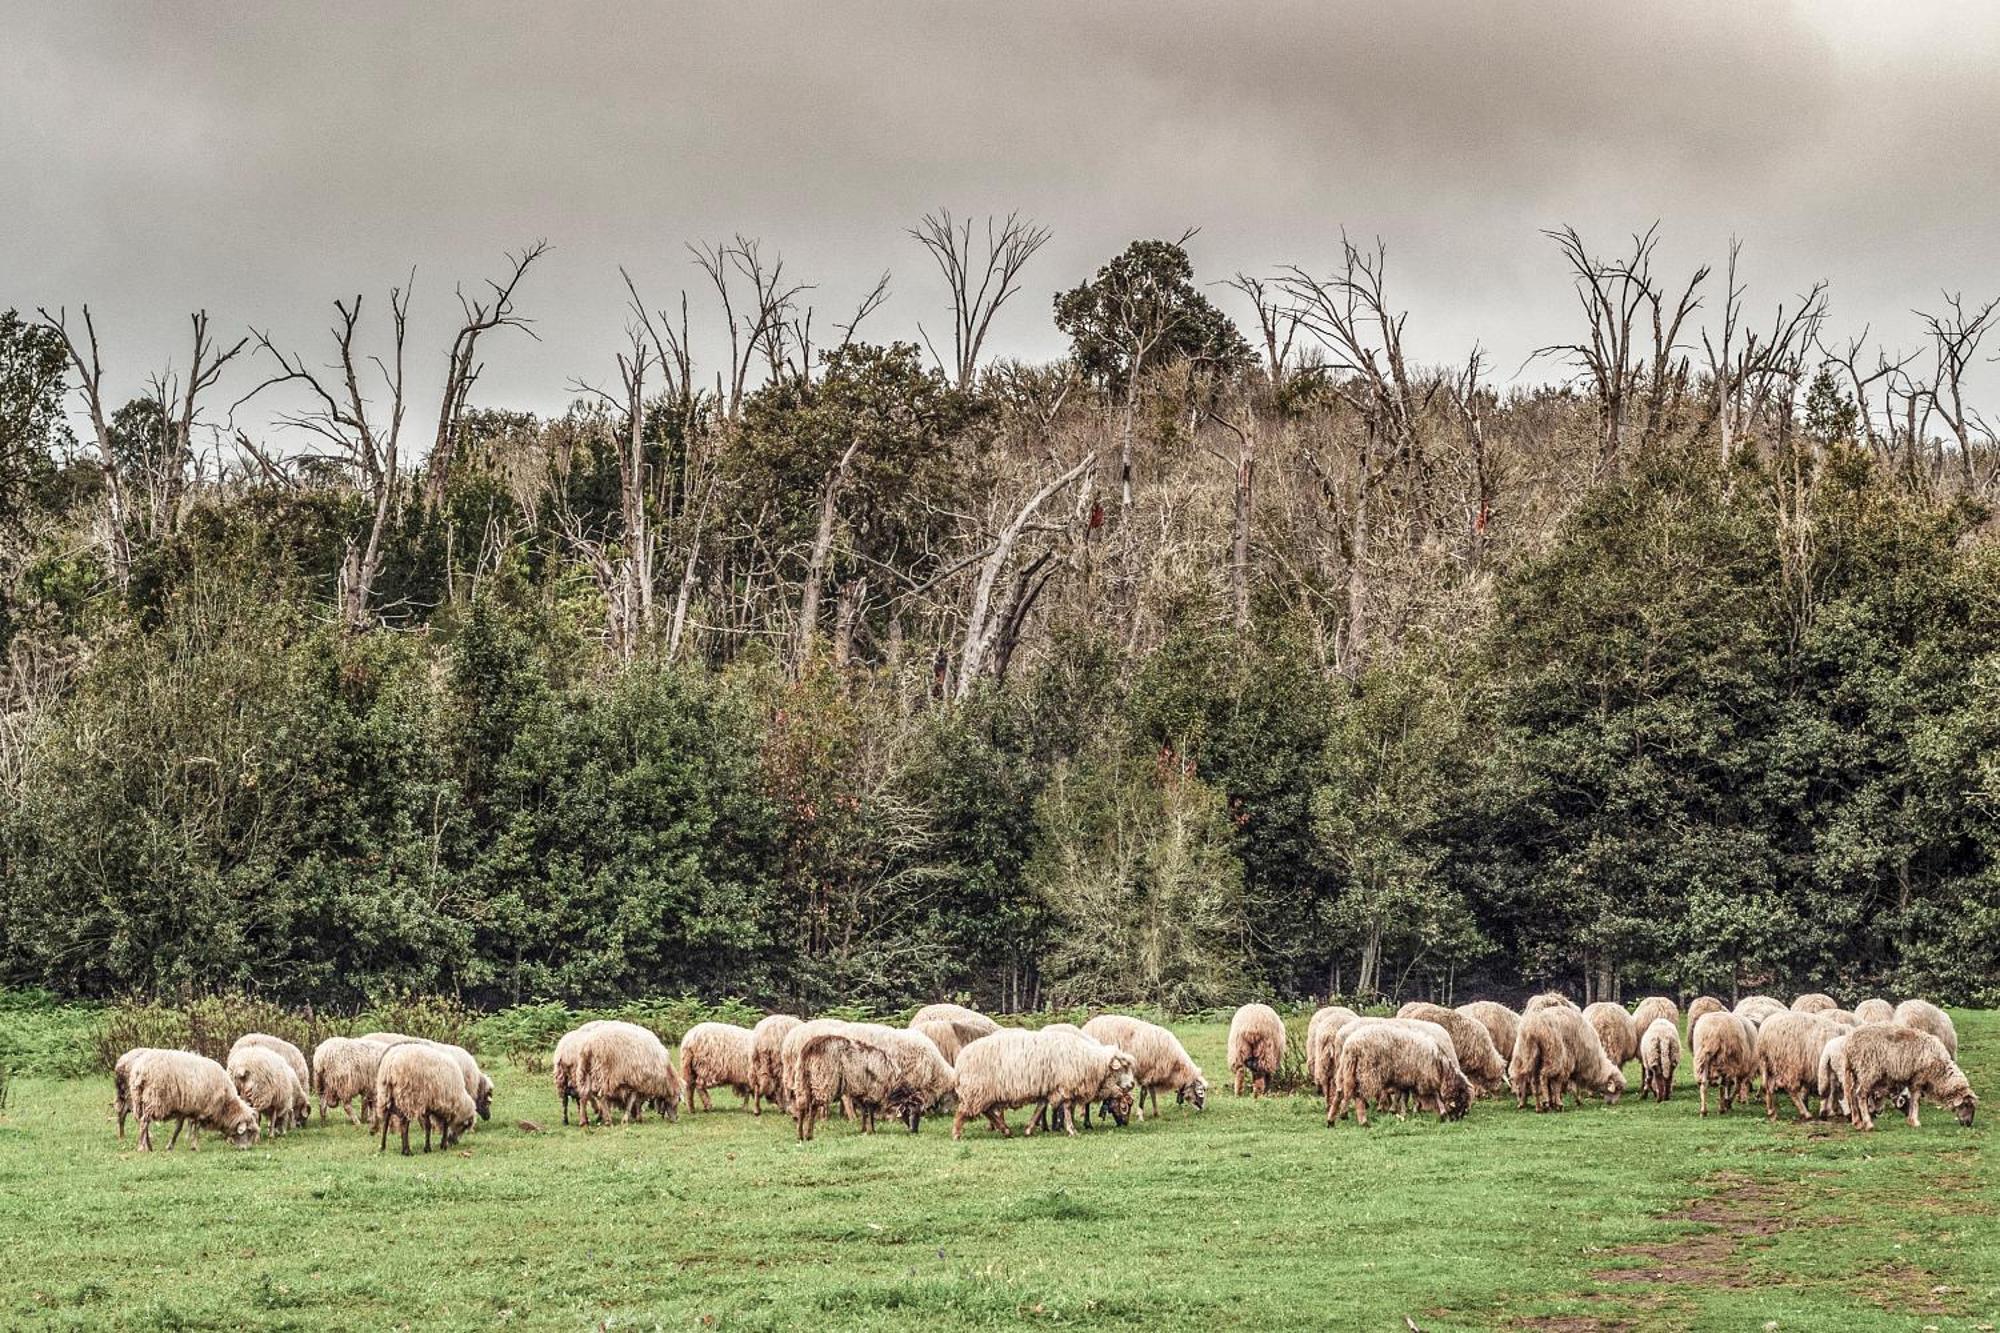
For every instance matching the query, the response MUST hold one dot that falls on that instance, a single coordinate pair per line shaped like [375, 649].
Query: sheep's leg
[385, 1133]
[1770, 1100]
[145, 1132]
[1236, 1084]
[406, 1136]
[427, 1130]
[1361, 1110]
[1915, 1097]
[1701, 1082]
[958, 1122]
[1799, 1102]
[178, 1125]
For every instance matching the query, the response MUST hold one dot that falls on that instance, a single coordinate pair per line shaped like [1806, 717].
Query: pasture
[1246, 1215]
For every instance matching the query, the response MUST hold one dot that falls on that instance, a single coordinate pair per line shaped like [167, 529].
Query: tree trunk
[1239, 574]
[822, 551]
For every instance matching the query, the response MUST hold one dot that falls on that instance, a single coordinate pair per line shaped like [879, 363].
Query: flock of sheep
[1426, 1056]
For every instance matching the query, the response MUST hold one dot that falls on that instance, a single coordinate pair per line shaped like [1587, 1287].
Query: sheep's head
[454, 1129]
[1121, 1070]
[483, 1099]
[1457, 1097]
[242, 1128]
[1194, 1090]
[667, 1105]
[1119, 1107]
[1614, 1087]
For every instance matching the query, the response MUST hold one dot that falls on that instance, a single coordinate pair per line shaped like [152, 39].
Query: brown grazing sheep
[716, 1055]
[1659, 1059]
[1556, 1052]
[121, 1082]
[190, 1090]
[1882, 1058]
[1813, 1002]
[1477, 1057]
[421, 1083]
[969, 1024]
[1256, 1047]
[1927, 1017]
[1757, 1008]
[1158, 1058]
[562, 1065]
[1875, 1011]
[1613, 1026]
[1319, 1030]
[1500, 1022]
[1789, 1047]
[477, 1085]
[344, 1068]
[1388, 1063]
[1725, 1055]
[1702, 1005]
[923, 1077]
[264, 1080]
[294, 1058]
[1009, 1069]
[1650, 1008]
[627, 1066]
[840, 1065]
[767, 1068]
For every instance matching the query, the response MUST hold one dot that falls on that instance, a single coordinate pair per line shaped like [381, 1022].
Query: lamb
[264, 1080]
[1477, 1057]
[294, 1058]
[1388, 1062]
[562, 1065]
[1659, 1059]
[716, 1055]
[943, 1036]
[1702, 1005]
[969, 1024]
[840, 1064]
[767, 1071]
[1725, 1054]
[1789, 1047]
[1500, 1022]
[190, 1090]
[477, 1085]
[1557, 1051]
[1020, 1068]
[1319, 1033]
[1927, 1017]
[1875, 1011]
[1158, 1058]
[1650, 1008]
[421, 1083]
[1256, 1047]
[1547, 999]
[628, 1066]
[1813, 1002]
[1757, 1008]
[344, 1068]
[1613, 1027]
[121, 1082]
[1882, 1058]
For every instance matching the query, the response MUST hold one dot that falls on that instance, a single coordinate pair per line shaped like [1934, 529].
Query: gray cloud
[260, 161]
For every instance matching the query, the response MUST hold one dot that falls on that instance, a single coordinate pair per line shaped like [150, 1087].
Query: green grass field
[1248, 1215]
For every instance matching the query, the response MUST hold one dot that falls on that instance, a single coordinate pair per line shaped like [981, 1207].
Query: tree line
[1218, 657]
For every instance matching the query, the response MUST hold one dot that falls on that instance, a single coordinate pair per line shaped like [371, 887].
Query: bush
[40, 1036]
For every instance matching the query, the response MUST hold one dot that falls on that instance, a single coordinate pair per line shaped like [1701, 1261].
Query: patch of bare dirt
[1740, 1212]
[1904, 1288]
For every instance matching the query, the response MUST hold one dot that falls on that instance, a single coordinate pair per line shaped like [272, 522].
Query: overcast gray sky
[260, 159]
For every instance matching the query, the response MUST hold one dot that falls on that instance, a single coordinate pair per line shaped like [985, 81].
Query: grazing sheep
[943, 1036]
[1477, 1057]
[1020, 1068]
[1319, 1034]
[627, 1066]
[1813, 1002]
[1875, 1011]
[1650, 1008]
[1725, 1054]
[1613, 1026]
[344, 1068]
[1659, 1059]
[420, 1083]
[791, 1050]
[716, 1055]
[562, 1065]
[1757, 1008]
[1702, 1005]
[1118, 1105]
[121, 1082]
[1884, 1057]
[970, 1024]
[1500, 1022]
[1789, 1047]
[840, 1064]
[1557, 1052]
[1927, 1017]
[294, 1058]
[923, 1077]
[477, 1085]
[1158, 1058]
[1335, 1042]
[767, 1069]
[1545, 1000]
[1844, 1017]
[1832, 1072]
[190, 1090]
[1256, 1047]
[264, 1080]
[1389, 1062]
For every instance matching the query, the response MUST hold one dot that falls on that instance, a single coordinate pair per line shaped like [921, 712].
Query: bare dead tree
[1616, 295]
[807, 628]
[339, 416]
[1245, 467]
[1956, 332]
[982, 624]
[90, 386]
[1277, 324]
[758, 319]
[1470, 400]
[1762, 375]
[632, 575]
[978, 280]
[462, 367]
[1849, 359]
